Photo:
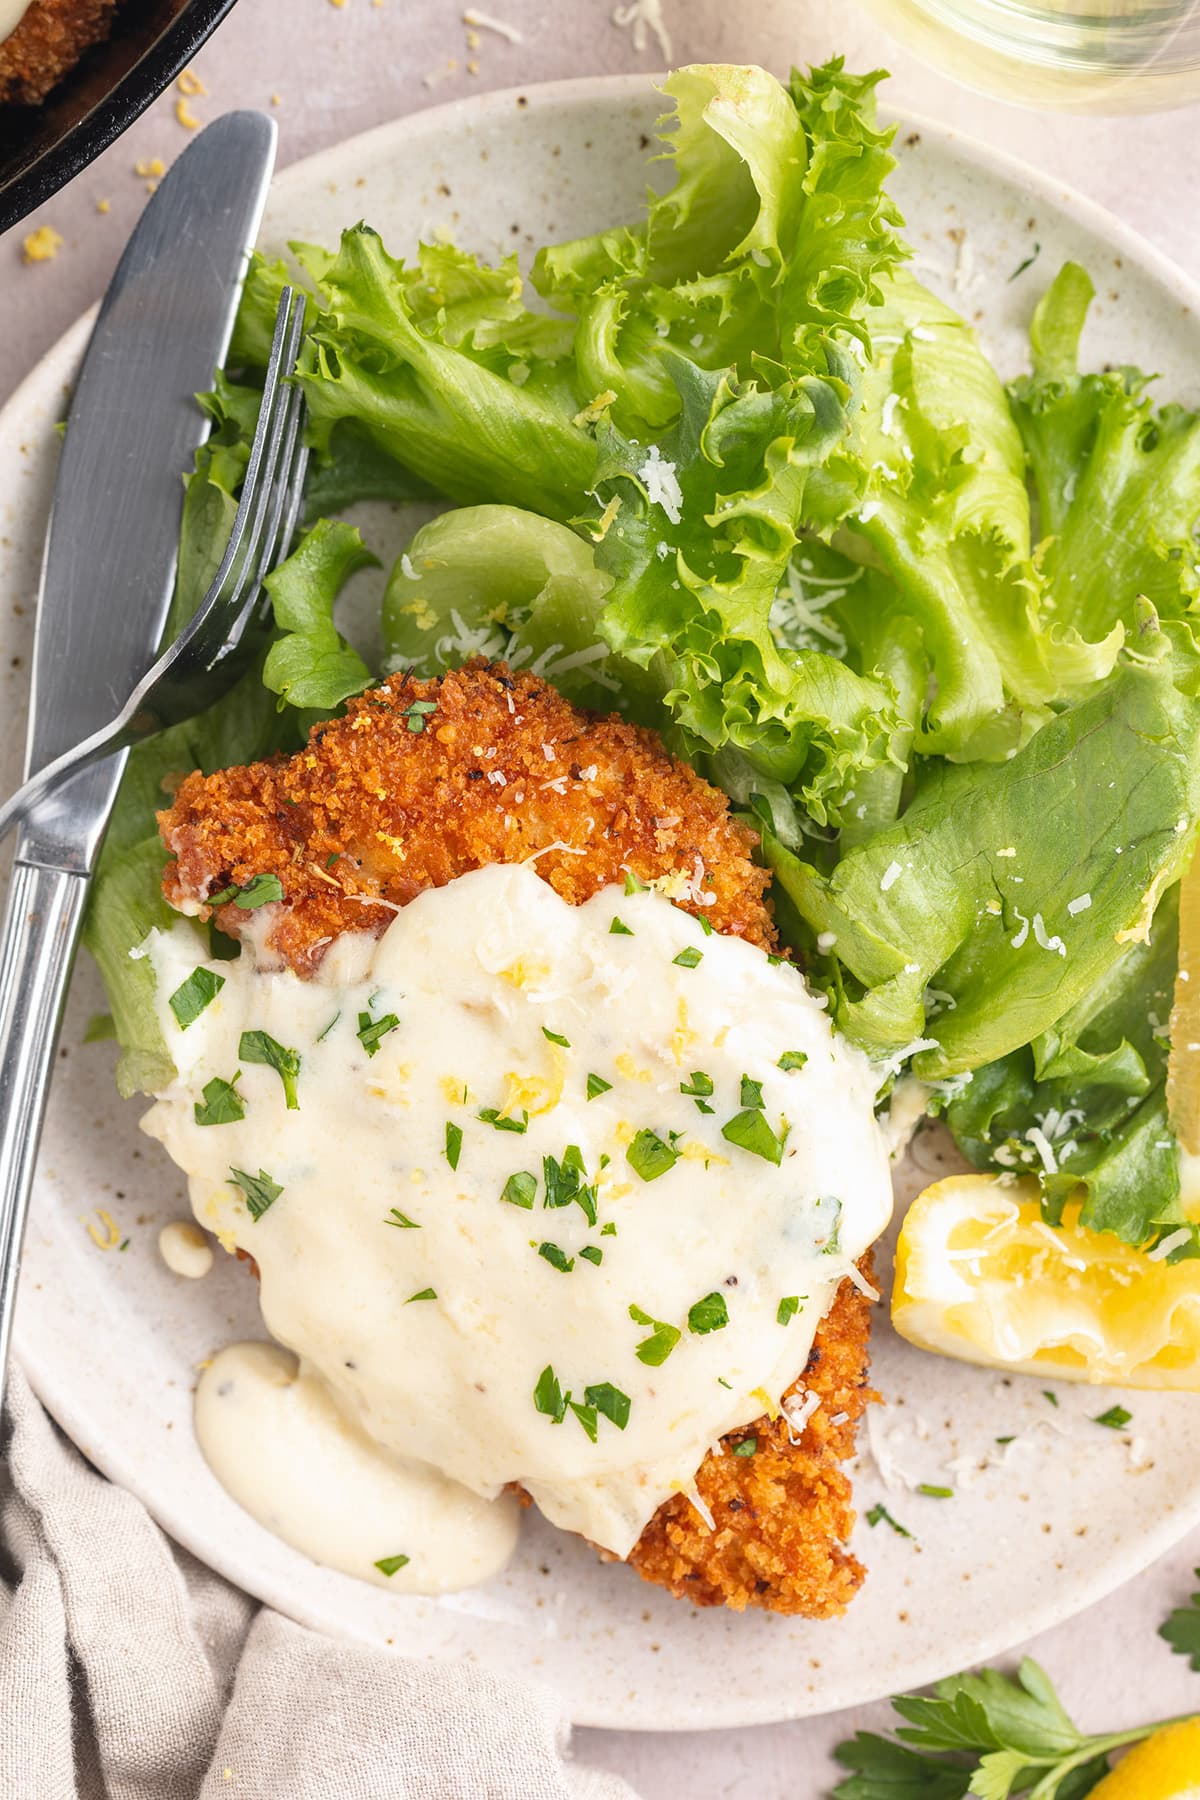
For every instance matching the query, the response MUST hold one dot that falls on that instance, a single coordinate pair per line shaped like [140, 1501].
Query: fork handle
[41, 931]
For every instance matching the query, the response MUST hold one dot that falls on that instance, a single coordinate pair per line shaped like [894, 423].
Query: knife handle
[41, 930]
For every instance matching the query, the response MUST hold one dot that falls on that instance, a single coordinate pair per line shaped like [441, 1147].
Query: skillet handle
[37, 947]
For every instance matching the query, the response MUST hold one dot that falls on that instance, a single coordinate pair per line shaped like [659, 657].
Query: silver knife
[107, 577]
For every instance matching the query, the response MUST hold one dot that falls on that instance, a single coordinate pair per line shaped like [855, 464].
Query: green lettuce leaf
[773, 236]
[1005, 893]
[488, 426]
[495, 581]
[705, 523]
[310, 665]
[946, 514]
[1092, 1088]
[1117, 481]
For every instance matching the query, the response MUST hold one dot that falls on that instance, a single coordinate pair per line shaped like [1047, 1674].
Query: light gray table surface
[326, 71]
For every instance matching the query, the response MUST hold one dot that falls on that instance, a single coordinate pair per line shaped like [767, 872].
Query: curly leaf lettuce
[701, 529]
[1117, 481]
[773, 237]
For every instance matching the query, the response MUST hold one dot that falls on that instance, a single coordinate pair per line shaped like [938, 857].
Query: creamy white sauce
[477, 973]
[275, 1440]
[11, 14]
[185, 1249]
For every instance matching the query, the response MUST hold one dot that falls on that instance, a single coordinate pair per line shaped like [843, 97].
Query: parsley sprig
[1182, 1629]
[986, 1735]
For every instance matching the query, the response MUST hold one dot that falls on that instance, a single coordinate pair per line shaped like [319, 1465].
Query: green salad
[732, 471]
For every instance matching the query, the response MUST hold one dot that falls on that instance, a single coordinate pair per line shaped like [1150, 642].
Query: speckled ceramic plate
[112, 1340]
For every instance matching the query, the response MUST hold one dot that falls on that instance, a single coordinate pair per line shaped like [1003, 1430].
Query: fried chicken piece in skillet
[49, 40]
[502, 768]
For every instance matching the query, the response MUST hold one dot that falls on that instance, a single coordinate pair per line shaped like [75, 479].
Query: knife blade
[107, 577]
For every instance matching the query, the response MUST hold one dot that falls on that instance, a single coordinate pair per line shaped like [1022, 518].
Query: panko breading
[49, 41]
[781, 1516]
[501, 769]
[423, 781]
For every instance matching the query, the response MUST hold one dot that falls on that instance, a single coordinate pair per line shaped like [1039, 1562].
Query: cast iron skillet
[44, 147]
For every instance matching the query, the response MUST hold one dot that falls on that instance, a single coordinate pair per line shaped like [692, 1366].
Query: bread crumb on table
[42, 245]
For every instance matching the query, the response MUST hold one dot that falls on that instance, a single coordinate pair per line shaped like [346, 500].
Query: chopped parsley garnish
[879, 1511]
[610, 1401]
[259, 1047]
[618, 928]
[596, 1085]
[453, 1143]
[260, 1191]
[491, 1115]
[749, 1131]
[751, 1093]
[425, 1294]
[689, 958]
[704, 924]
[371, 1032]
[390, 1565]
[548, 1396]
[558, 1259]
[700, 1089]
[586, 1416]
[334, 856]
[934, 1493]
[193, 995]
[260, 890]
[322, 1035]
[223, 1105]
[747, 1447]
[608, 1230]
[709, 1314]
[789, 1306]
[633, 885]
[416, 714]
[1050, 1395]
[655, 1349]
[792, 1059]
[519, 1190]
[565, 1183]
[1026, 261]
[592, 1253]
[556, 1037]
[1116, 1418]
[1006, 1440]
[401, 1220]
[649, 1157]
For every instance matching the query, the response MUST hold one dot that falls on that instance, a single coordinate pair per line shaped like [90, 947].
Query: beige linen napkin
[129, 1671]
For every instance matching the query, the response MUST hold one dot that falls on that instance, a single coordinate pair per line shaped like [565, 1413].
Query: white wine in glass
[1072, 55]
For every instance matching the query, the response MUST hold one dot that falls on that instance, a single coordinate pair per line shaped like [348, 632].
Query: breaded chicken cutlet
[49, 40]
[423, 781]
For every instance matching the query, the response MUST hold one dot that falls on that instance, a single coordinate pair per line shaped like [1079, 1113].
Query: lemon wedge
[1165, 1766]
[980, 1276]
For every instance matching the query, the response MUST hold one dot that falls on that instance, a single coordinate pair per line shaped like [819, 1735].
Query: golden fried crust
[503, 769]
[50, 39]
[782, 1515]
[375, 810]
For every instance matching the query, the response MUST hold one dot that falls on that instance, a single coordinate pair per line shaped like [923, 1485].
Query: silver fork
[202, 662]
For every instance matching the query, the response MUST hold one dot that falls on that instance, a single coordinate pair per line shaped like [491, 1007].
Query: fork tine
[276, 438]
[251, 497]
